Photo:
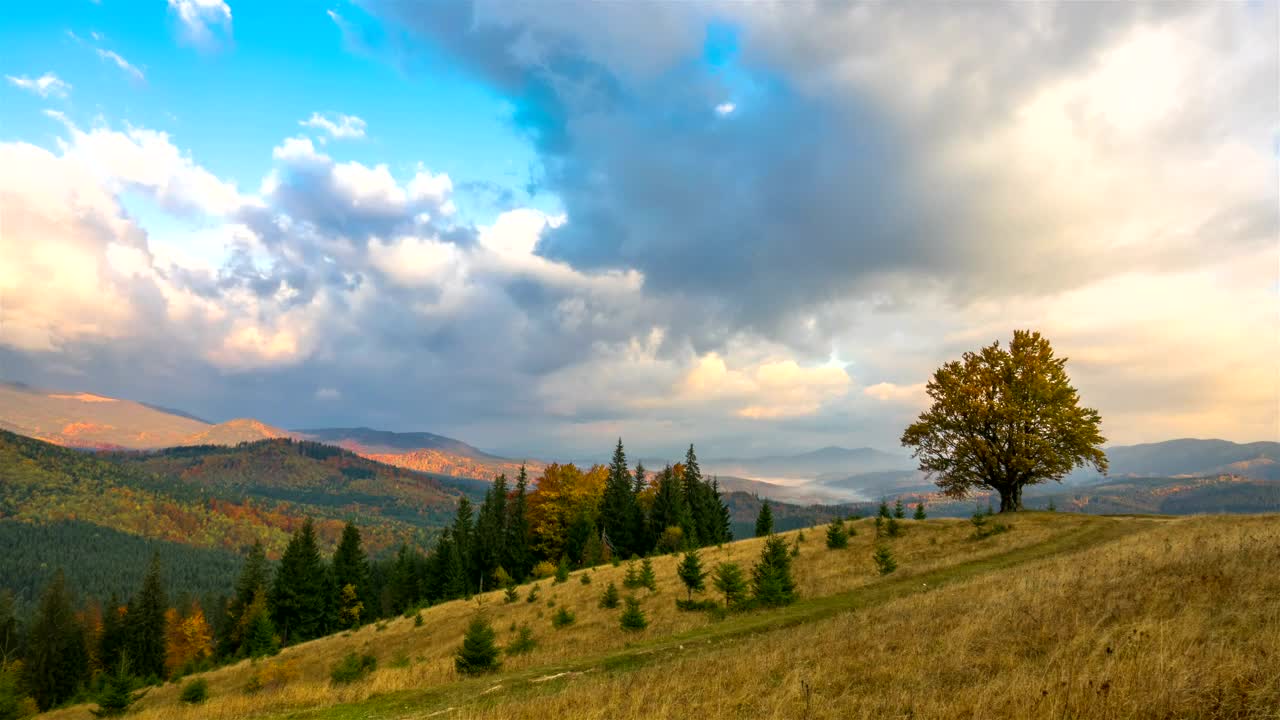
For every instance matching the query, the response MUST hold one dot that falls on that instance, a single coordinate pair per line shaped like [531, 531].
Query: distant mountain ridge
[810, 465]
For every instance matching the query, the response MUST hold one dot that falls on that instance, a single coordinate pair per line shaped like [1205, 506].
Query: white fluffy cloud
[336, 125]
[47, 85]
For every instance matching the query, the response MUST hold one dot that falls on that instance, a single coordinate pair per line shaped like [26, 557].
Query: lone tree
[691, 573]
[479, 653]
[764, 521]
[1005, 419]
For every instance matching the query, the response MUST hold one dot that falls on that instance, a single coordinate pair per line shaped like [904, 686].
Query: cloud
[45, 86]
[115, 57]
[725, 108]
[205, 23]
[337, 125]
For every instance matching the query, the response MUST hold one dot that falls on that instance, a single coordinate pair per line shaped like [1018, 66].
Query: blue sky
[539, 226]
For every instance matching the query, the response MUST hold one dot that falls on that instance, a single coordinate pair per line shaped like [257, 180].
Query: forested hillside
[222, 498]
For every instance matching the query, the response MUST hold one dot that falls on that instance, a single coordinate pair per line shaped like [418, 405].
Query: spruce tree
[255, 579]
[609, 598]
[837, 535]
[647, 577]
[8, 628]
[299, 605]
[701, 529]
[633, 619]
[403, 585]
[258, 636]
[562, 571]
[464, 546]
[111, 643]
[145, 625]
[691, 572]
[724, 528]
[899, 511]
[117, 693]
[669, 507]
[919, 513]
[884, 509]
[731, 583]
[491, 529]
[351, 569]
[479, 652]
[518, 560]
[631, 579]
[884, 561]
[764, 521]
[620, 516]
[56, 659]
[771, 582]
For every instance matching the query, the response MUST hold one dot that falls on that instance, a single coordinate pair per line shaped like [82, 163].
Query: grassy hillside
[1064, 616]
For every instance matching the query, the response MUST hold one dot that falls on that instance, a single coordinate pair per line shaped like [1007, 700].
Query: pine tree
[899, 512]
[669, 508]
[764, 521]
[647, 577]
[111, 643]
[593, 553]
[298, 596]
[491, 529]
[884, 509]
[731, 583]
[884, 561]
[56, 659]
[919, 513]
[258, 637]
[771, 582]
[837, 535]
[402, 585]
[609, 599]
[691, 572]
[633, 619]
[620, 516]
[701, 530]
[724, 528]
[255, 579]
[518, 560]
[8, 628]
[631, 579]
[351, 570]
[117, 693]
[145, 625]
[464, 546]
[479, 653]
[562, 571]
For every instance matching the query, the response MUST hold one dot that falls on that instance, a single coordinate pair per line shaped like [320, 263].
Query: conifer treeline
[568, 518]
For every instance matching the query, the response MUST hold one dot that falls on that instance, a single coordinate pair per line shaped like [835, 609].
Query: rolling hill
[220, 497]
[78, 419]
[420, 451]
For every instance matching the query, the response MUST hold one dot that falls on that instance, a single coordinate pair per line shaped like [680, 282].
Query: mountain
[221, 497]
[234, 432]
[420, 451]
[81, 419]
[809, 465]
[1187, 456]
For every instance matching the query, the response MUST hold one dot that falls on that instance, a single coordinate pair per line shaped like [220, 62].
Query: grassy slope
[1018, 625]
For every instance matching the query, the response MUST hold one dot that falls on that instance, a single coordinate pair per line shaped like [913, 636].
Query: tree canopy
[1004, 419]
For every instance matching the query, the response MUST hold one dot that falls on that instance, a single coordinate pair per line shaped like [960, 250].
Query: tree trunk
[1010, 498]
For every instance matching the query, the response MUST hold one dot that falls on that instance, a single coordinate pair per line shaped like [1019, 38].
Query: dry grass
[1188, 610]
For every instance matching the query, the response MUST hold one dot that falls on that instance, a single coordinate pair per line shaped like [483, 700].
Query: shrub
[585, 579]
[609, 599]
[837, 536]
[533, 594]
[417, 619]
[893, 528]
[478, 653]
[883, 558]
[731, 583]
[273, 677]
[544, 570]
[195, 692]
[352, 667]
[671, 539]
[523, 643]
[562, 570]
[633, 619]
[562, 618]
[696, 605]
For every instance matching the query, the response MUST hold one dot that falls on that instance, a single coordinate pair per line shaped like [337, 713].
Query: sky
[536, 227]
